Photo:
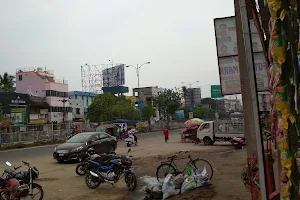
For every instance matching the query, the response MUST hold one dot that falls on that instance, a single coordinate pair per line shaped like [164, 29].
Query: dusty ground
[60, 181]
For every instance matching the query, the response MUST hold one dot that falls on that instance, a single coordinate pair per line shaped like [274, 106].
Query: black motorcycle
[111, 171]
[89, 155]
[27, 177]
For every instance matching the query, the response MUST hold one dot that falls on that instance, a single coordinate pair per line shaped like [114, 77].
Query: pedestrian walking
[166, 134]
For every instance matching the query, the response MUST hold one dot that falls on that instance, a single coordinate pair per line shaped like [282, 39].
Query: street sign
[215, 91]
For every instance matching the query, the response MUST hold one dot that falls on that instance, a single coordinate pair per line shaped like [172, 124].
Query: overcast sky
[176, 36]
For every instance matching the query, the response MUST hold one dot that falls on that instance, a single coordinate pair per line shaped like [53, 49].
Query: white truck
[220, 130]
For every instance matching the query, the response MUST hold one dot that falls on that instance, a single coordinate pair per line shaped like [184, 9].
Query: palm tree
[7, 82]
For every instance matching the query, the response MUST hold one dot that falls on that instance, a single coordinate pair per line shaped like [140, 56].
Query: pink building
[42, 83]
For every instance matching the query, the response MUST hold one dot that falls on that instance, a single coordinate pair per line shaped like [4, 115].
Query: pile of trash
[179, 184]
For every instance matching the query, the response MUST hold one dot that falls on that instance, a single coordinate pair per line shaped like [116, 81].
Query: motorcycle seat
[103, 159]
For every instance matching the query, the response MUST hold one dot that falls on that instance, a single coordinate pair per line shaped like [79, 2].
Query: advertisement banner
[18, 116]
[114, 76]
[226, 42]
[226, 37]
[230, 75]
[179, 114]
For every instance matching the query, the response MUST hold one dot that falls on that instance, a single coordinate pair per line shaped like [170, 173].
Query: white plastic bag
[178, 180]
[188, 184]
[168, 187]
[200, 176]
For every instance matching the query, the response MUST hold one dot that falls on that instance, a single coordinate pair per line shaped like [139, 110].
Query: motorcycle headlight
[55, 149]
[77, 149]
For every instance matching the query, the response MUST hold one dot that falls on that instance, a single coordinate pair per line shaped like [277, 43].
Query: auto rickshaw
[109, 129]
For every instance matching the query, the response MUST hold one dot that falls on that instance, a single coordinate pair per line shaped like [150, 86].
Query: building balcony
[52, 80]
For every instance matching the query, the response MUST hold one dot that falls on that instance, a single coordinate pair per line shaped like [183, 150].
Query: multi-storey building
[192, 97]
[42, 83]
[145, 96]
[80, 101]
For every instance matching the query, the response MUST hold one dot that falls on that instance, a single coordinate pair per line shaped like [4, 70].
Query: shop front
[14, 106]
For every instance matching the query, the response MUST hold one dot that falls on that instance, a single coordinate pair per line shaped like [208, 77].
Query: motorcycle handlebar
[25, 163]
[17, 167]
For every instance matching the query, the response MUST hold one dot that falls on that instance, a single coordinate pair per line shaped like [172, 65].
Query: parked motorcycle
[238, 143]
[112, 171]
[10, 188]
[27, 177]
[86, 157]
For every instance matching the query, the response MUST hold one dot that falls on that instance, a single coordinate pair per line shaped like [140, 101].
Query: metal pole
[249, 92]
[138, 74]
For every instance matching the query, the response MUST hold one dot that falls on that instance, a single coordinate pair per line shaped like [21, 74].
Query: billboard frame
[216, 42]
[111, 72]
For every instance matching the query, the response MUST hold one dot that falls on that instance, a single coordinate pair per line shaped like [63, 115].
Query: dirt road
[60, 181]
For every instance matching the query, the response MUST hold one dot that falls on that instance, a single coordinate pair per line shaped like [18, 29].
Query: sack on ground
[178, 180]
[188, 184]
[200, 177]
[168, 187]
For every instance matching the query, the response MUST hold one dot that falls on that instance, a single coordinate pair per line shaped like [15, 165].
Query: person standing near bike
[166, 134]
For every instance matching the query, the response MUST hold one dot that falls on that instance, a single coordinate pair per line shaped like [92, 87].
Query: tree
[168, 102]
[7, 82]
[209, 101]
[107, 107]
[203, 112]
[148, 112]
[100, 109]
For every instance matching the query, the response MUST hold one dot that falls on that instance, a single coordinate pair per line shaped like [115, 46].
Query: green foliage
[209, 101]
[203, 112]
[148, 111]
[107, 107]
[7, 82]
[168, 102]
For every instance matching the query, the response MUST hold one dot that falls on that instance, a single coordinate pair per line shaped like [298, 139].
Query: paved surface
[17, 155]
[60, 181]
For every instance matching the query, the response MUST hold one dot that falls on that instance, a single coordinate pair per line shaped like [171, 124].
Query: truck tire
[207, 141]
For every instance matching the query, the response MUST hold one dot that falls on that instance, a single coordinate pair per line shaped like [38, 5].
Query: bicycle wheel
[163, 170]
[201, 164]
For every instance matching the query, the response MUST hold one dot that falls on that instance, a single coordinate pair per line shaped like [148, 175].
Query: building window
[60, 109]
[82, 97]
[20, 77]
[77, 111]
[75, 96]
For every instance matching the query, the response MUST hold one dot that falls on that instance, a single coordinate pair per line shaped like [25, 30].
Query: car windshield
[79, 138]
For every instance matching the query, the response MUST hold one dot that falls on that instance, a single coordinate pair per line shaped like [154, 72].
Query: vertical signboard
[215, 91]
[18, 116]
[227, 51]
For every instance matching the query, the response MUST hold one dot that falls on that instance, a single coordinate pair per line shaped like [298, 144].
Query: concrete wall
[30, 82]
[77, 104]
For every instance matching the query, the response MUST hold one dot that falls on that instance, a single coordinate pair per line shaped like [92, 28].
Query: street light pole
[137, 69]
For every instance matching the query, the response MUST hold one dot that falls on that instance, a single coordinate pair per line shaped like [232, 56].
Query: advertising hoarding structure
[227, 51]
[114, 76]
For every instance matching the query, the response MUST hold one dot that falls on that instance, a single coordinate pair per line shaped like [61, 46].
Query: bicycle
[173, 169]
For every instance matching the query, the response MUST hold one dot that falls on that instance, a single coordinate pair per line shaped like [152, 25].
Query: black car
[72, 148]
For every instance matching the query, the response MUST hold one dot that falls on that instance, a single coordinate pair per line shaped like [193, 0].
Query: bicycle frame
[171, 162]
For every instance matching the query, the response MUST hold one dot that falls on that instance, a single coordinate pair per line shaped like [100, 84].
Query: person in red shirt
[166, 134]
[77, 130]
